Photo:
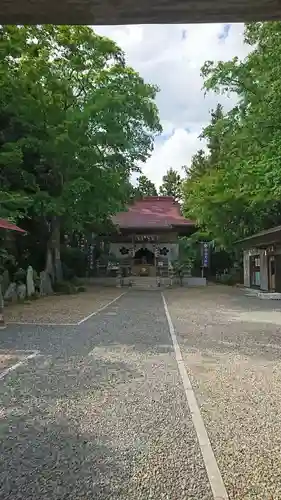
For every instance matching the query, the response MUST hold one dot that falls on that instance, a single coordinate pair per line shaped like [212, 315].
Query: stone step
[149, 282]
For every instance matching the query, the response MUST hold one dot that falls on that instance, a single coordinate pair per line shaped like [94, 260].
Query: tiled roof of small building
[159, 212]
[5, 224]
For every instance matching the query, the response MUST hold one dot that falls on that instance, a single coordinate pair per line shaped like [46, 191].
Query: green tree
[171, 184]
[240, 194]
[198, 166]
[145, 187]
[201, 162]
[214, 135]
[75, 121]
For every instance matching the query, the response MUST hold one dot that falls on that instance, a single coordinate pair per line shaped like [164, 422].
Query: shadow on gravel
[52, 444]
[46, 460]
[111, 425]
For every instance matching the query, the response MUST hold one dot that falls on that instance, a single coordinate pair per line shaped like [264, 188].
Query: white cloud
[171, 57]
[175, 152]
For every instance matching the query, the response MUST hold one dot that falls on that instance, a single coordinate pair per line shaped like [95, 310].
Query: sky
[171, 56]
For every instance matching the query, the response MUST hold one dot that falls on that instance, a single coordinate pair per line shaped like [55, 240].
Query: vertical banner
[205, 254]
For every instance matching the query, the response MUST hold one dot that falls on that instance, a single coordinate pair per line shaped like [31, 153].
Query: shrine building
[146, 237]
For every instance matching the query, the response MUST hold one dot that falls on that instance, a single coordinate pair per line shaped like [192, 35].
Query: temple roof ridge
[161, 212]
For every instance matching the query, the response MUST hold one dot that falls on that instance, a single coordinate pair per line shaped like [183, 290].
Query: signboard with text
[144, 237]
[205, 254]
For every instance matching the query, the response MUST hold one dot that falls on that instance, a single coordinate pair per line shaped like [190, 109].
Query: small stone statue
[11, 293]
[21, 291]
[45, 284]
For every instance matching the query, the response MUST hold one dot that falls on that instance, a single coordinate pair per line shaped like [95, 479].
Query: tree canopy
[233, 189]
[75, 122]
[75, 119]
[171, 184]
[145, 187]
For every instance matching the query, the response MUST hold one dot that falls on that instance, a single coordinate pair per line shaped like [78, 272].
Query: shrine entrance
[144, 263]
[144, 256]
[146, 242]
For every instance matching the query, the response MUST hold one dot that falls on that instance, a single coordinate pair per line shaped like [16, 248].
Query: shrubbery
[74, 262]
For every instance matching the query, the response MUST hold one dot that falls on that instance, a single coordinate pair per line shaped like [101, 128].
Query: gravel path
[231, 345]
[7, 359]
[61, 309]
[101, 413]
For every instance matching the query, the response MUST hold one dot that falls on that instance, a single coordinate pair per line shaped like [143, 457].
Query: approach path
[102, 411]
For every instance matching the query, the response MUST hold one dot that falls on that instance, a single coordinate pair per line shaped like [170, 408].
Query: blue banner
[205, 255]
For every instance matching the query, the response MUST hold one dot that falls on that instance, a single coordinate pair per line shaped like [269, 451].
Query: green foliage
[226, 279]
[74, 262]
[234, 189]
[171, 185]
[75, 121]
[20, 276]
[67, 272]
[6, 259]
[231, 278]
[188, 251]
[198, 167]
[144, 187]
[64, 287]
[13, 206]
[178, 268]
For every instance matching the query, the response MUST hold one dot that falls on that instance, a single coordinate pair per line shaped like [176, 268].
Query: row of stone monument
[13, 291]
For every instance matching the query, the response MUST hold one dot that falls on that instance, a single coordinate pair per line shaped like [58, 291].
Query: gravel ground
[101, 413]
[231, 345]
[7, 359]
[61, 309]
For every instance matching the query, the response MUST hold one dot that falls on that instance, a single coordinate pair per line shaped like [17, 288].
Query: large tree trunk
[49, 268]
[56, 248]
[53, 262]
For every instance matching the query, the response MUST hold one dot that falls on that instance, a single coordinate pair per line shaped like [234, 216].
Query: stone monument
[45, 284]
[30, 288]
[21, 291]
[11, 293]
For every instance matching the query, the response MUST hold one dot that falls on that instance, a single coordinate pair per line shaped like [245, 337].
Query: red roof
[5, 224]
[160, 212]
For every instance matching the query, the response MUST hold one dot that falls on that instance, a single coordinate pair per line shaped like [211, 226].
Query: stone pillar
[264, 270]
[246, 266]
